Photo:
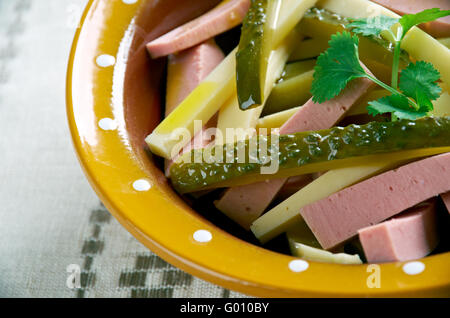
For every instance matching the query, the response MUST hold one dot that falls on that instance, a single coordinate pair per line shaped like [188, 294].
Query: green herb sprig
[411, 97]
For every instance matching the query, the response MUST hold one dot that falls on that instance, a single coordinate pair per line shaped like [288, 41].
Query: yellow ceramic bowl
[113, 102]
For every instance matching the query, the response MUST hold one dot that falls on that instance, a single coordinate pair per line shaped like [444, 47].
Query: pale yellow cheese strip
[291, 13]
[424, 47]
[232, 117]
[276, 120]
[319, 255]
[441, 106]
[204, 101]
[445, 41]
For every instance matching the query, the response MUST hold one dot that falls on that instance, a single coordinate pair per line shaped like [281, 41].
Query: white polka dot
[129, 1]
[414, 268]
[202, 236]
[107, 124]
[105, 60]
[141, 185]
[298, 265]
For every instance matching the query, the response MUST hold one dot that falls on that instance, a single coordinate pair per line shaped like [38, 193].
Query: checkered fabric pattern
[52, 224]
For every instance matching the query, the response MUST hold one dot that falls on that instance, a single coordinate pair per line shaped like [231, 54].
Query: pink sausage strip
[223, 17]
[409, 236]
[438, 28]
[187, 69]
[338, 218]
[446, 198]
[184, 72]
[312, 116]
[244, 204]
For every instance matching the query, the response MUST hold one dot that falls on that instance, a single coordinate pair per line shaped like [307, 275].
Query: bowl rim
[242, 266]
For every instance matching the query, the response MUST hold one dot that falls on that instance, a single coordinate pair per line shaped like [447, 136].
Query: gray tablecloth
[52, 225]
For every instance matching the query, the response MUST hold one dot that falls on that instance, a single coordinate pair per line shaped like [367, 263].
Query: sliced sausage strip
[409, 236]
[223, 17]
[244, 204]
[312, 116]
[338, 218]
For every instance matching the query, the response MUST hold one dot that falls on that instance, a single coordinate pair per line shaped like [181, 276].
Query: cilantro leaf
[396, 104]
[372, 26]
[418, 81]
[340, 64]
[336, 67]
[410, 20]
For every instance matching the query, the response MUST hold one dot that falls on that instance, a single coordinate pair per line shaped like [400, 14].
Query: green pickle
[309, 152]
[294, 69]
[254, 51]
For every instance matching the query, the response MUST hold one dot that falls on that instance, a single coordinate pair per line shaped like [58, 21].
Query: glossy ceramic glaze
[113, 102]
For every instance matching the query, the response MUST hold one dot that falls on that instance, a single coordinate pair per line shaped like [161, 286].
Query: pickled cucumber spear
[292, 89]
[309, 152]
[254, 50]
[231, 116]
[263, 29]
